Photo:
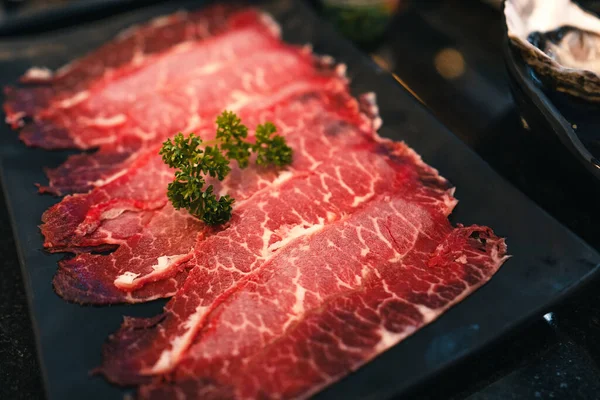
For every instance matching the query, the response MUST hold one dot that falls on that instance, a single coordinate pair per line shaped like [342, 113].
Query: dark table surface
[449, 53]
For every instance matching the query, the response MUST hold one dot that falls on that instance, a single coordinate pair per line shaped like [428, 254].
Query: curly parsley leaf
[193, 160]
[269, 149]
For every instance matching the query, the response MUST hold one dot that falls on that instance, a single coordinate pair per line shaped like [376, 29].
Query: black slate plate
[548, 263]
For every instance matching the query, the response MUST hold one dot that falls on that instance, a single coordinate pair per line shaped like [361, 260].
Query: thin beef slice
[302, 205]
[128, 101]
[330, 302]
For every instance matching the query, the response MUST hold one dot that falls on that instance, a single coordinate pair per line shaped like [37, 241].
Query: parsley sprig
[194, 159]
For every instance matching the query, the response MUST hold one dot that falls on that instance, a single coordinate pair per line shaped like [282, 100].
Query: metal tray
[548, 261]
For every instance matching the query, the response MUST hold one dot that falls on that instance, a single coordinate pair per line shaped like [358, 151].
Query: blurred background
[450, 55]
[26, 6]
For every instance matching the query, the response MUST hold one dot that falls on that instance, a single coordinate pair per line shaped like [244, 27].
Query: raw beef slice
[120, 98]
[331, 301]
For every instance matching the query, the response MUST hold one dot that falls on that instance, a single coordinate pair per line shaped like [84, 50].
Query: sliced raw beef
[152, 255]
[151, 247]
[324, 264]
[77, 220]
[132, 55]
[195, 103]
[143, 102]
[294, 73]
[163, 242]
[329, 302]
[280, 216]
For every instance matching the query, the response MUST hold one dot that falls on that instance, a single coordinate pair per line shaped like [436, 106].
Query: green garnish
[194, 159]
[271, 150]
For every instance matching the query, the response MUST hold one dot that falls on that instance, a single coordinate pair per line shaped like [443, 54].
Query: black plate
[548, 261]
